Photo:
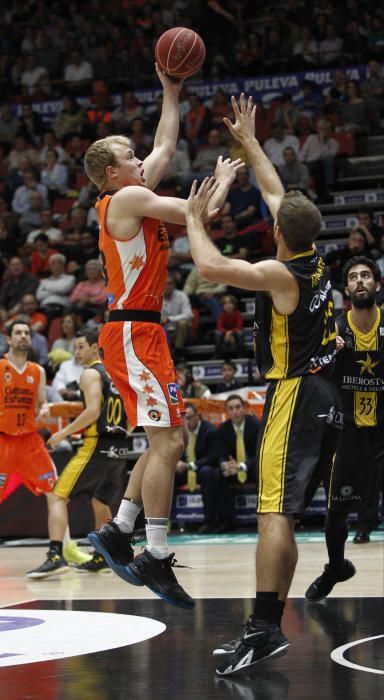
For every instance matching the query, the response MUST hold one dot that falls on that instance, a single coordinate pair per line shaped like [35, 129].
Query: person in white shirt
[274, 146]
[318, 153]
[54, 290]
[77, 70]
[35, 77]
[67, 379]
[54, 234]
[176, 316]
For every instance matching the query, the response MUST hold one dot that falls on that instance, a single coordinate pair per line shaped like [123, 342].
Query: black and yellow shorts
[358, 465]
[296, 442]
[97, 469]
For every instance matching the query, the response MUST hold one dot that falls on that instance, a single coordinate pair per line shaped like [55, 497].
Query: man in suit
[236, 443]
[198, 463]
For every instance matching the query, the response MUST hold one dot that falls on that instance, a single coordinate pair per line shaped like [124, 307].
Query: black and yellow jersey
[112, 421]
[305, 341]
[359, 372]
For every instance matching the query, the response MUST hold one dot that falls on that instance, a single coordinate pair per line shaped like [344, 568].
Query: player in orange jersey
[22, 450]
[134, 249]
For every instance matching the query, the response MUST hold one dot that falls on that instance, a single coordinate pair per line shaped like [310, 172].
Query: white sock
[156, 529]
[126, 515]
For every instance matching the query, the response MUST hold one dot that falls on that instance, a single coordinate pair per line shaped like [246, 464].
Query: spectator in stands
[53, 292]
[309, 103]
[204, 293]
[275, 145]
[176, 317]
[204, 163]
[35, 79]
[87, 195]
[236, 444]
[276, 51]
[287, 114]
[355, 43]
[31, 124]
[330, 48]
[372, 91]
[354, 111]
[54, 175]
[68, 327]
[41, 256]
[229, 382]
[138, 135]
[380, 260]
[198, 462]
[88, 297]
[305, 50]
[318, 153]
[16, 282]
[195, 389]
[375, 38]
[21, 201]
[229, 334]
[178, 169]
[196, 122]
[66, 380]
[294, 175]
[54, 234]
[372, 231]
[130, 109]
[50, 141]
[9, 126]
[31, 218]
[231, 244]
[21, 149]
[250, 56]
[244, 200]
[69, 120]
[15, 177]
[78, 73]
[36, 319]
[357, 244]
[219, 107]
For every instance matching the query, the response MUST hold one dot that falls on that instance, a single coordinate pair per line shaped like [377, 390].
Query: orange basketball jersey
[134, 271]
[18, 397]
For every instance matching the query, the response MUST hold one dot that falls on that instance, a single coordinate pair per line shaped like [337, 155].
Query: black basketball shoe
[260, 640]
[53, 565]
[227, 647]
[96, 565]
[158, 576]
[115, 547]
[322, 585]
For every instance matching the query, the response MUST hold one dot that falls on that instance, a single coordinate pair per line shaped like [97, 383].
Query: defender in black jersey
[295, 344]
[359, 460]
[97, 469]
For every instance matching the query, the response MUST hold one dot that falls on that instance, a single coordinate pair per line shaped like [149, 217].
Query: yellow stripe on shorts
[274, 446]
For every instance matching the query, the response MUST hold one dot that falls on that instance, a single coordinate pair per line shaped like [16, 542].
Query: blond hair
[100, 154]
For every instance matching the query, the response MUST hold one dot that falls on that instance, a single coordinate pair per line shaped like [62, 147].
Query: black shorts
[359, 459]
[296, 442]
[97, 469]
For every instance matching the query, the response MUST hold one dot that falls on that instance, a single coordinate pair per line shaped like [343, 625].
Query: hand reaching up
[243, 129]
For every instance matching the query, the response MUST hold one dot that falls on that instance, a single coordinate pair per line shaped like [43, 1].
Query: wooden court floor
[83, 636]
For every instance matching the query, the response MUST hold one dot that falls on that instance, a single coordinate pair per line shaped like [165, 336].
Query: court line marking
[18, 602]
[337, 655]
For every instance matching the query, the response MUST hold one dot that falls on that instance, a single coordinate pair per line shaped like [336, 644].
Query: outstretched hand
[226, 170]
[174, 84]
[198, 202]
[244, 127]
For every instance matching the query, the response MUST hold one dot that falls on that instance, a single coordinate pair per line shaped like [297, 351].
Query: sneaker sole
[280, 651]
[100, 571]
[35, 575]
[119, 569]
[160, 593]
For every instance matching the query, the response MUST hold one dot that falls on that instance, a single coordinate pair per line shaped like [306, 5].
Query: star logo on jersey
[145, 376]
[367, 365]
[148, 389]
[137, 262]
[151, 401]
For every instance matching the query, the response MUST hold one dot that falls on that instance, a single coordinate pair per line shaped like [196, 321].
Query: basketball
[180, 52]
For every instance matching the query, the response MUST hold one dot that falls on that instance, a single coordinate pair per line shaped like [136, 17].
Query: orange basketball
[180, 52]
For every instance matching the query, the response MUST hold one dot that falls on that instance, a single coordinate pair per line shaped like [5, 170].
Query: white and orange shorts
[137, 358]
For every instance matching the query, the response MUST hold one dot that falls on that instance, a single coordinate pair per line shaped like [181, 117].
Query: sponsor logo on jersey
[8, 377]
[172, 391]
[154, 415]
[110, 298]
[30, 379]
